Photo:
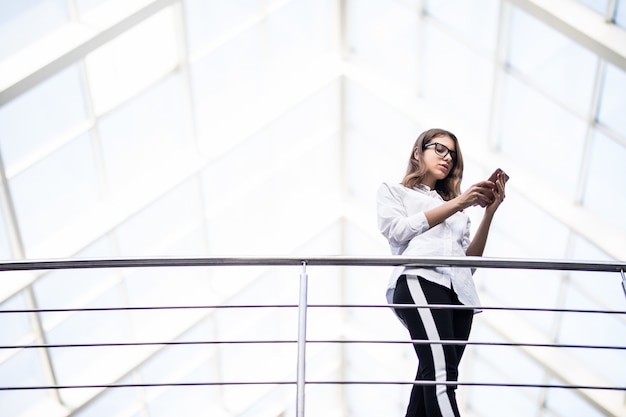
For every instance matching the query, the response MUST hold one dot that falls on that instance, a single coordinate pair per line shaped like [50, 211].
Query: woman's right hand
[479, 194]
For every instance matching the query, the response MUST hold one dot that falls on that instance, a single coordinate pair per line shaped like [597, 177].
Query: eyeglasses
[442, 150]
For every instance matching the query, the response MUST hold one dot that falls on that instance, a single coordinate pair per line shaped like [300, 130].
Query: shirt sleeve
[393, 221]
[466, 241]
[466, 236]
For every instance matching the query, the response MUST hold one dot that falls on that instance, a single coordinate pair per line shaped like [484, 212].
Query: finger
[485, 184]
[500, 185]
[498, 193]
[502, 181]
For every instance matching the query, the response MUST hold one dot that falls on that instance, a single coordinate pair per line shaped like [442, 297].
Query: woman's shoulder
[392, 186]
[394, 191]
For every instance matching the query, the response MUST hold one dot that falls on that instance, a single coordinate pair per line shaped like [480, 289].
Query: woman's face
[439, 156]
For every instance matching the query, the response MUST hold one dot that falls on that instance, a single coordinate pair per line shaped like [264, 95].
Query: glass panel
[598, 6]
[299, 152]
[363, 400]
[5, 246]
[74, 288]
[601, 287]
[595, 330]
[22, 369]
[141, 135]
[476, 21]
[286, 138]
[324, 401]
[244, 227]
[85, 6]
[364, 142]
[190, 241]
[132, 61]
[606, 184]
[166, 287]
[189, 400]
[55, 191]
[303, 126]
[297, 34]
[552, 60]
[231, 75]
[382, 35]
[620, 13]
[34, 121]
[93, 365]
[151, 230]
[236, 360]
[490, 401]
[566, 402]
[19, 367]
[613, 100]
[517, 288]
[313, 195]
[523, 229]
[516, 365]
[224, 178]
[268, 217]
[115, 402]
[208, 19]
[170, 363]
[542, 136]
[16, 327]
[456, 78]
[26, 21]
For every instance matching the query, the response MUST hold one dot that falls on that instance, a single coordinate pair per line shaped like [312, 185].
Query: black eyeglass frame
[452, 154]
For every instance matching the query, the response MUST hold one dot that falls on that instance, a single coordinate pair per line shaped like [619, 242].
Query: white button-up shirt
[402, 221]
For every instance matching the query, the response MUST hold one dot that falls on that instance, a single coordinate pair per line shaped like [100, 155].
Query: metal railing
[303, 306]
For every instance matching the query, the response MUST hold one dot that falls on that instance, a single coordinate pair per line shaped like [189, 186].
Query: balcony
[302, 353]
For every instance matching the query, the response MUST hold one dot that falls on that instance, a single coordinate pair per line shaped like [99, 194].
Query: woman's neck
[429, 182]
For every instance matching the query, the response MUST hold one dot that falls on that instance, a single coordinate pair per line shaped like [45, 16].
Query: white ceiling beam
[73, 42]
[577, 22]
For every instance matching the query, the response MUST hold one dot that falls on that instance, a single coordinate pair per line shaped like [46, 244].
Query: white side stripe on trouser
[439, 359]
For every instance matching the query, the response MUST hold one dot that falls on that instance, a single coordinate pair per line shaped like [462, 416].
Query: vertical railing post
[302, 311]
[623, 281]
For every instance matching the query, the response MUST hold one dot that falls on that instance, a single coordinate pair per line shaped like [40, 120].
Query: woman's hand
[479, 194]
[478, 243]
[484, 193]
[498, 194]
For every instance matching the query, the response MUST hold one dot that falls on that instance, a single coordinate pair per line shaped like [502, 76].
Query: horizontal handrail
[320, 341]
[473, 384]
[320, 382]
[464, 261]
[255, 306]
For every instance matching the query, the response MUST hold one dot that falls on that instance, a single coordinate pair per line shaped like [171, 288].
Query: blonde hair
[449, 187]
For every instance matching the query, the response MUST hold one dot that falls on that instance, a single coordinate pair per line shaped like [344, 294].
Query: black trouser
[436, 362]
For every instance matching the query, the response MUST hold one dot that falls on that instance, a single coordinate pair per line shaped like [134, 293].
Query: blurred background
[135, 128]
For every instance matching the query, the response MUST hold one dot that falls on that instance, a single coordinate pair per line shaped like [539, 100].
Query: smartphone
[493, 178]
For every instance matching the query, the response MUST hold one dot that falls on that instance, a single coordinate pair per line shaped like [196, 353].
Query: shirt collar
[423, 187]
[426, 190]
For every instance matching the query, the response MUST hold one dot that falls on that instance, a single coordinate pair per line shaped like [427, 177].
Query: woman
[424, 216]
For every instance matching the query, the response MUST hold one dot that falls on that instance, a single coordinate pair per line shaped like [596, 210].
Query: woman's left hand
[498, 194]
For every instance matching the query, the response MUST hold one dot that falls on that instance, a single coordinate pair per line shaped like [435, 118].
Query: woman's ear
[416, 154]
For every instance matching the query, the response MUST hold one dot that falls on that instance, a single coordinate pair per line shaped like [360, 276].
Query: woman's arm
[478, 243]
[471, 197]
[393, 220]
[398, 227]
